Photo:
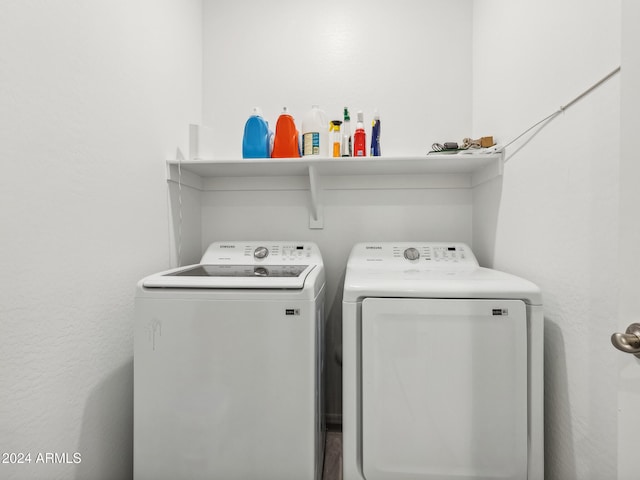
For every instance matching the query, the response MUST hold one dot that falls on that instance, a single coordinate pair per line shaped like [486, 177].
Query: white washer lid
[245, 265]
[232, 276]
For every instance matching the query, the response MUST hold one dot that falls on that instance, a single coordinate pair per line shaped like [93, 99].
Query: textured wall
[554, 216]
[94, 97]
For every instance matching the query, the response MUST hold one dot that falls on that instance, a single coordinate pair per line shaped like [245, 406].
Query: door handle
[628, 342]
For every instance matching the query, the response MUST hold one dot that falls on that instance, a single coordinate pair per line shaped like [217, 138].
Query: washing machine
[228, 365]
[442, 367]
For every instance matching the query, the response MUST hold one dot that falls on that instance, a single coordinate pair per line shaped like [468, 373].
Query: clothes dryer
[228, 365]
[442, 367]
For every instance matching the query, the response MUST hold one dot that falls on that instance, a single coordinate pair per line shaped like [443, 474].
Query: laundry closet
[101, 97]
[350, 57]
[436, 71]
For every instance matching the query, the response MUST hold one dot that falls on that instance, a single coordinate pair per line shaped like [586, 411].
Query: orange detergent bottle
[287, 139]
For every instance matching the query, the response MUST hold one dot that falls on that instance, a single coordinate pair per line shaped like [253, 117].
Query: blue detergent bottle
[256, 142]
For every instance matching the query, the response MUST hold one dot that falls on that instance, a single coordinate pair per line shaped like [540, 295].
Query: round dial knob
[411, 254]
[260, 272]
[261, 252]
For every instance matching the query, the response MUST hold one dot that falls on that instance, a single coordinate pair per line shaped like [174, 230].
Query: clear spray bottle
[346, 134]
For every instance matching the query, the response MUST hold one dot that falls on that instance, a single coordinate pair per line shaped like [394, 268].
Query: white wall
[629, 264]
[554, 216]
[410, 59]
[94, 97]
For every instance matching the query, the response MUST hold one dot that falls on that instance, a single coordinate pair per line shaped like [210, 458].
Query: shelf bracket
[316, 216]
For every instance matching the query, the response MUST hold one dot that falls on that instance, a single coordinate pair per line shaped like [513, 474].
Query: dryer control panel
[403, 253]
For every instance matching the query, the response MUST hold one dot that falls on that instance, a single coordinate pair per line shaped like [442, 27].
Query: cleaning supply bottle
[360, 138]
[346, 134]
[286, 143]
[375, 134]
[257, 138]
[335, 138]
[315, 133]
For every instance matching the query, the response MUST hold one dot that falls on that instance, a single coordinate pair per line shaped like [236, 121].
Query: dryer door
[444, 389]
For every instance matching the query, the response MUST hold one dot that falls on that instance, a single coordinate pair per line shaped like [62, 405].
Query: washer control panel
[274, 253]
[403, 253]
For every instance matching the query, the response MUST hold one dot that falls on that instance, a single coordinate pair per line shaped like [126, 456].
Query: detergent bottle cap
[360, 123]
[376, 114]
[257, 111]
[347, 118]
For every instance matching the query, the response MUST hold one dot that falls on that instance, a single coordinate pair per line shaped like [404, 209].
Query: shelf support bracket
[316, 217]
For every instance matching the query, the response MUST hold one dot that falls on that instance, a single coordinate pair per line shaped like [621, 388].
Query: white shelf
[473, 165]
[452, 170]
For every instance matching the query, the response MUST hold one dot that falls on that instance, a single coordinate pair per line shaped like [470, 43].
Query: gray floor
[333, 456]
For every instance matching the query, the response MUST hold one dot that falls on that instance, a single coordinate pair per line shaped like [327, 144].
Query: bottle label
[346, 146]
[359, 144]
[336, 149]
[311, 143]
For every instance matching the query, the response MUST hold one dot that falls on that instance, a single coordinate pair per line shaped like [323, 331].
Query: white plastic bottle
[346, 134]
[315, 133]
